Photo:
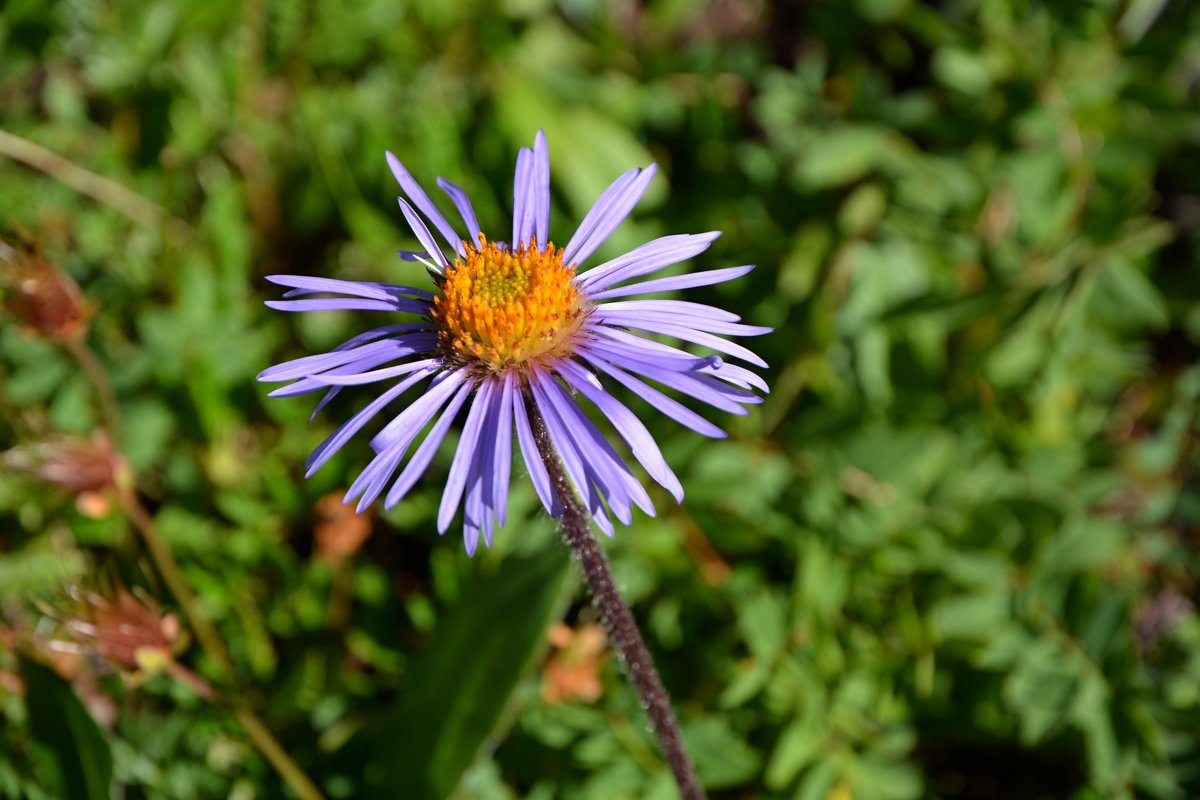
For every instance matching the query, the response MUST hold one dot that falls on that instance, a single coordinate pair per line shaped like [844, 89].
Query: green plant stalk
[110, 412]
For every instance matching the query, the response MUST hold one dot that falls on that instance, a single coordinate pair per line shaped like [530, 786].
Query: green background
[951, 556]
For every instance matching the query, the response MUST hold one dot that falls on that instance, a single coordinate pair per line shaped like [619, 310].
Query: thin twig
[623, 631]
[164, 560]
[84, 181]
[269, 746]
[110, 412]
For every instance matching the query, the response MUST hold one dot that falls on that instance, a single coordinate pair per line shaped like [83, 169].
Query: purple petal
[380, 332]
[610, 471]
[473, 511]
[650, 257]
[423, 235]
[348, 304]
[463, 204]
[686, 334]
[484, 471]
[609, 211]
[464, 456]
[661, 402]
[678, 308]
[700, 387]
[738, 376]
[631, 319]
[369, 289]
[589, 463]
[523, 198]
[326, 449]
[640, 442]
[679, 361]
[370, 481]
[372, 376]
[421, 459]
[310, 384]
[687, 281]
[541, 189]
[324, 401]
[400, 427]
[393, 442]
[533, 460]
[312, 365]
[563, 444]
[502, 469]
[422, 201]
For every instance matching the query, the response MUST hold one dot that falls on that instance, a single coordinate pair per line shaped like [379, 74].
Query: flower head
[517, 323]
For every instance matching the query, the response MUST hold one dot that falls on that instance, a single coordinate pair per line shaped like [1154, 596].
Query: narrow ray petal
[422, 201]
[502, 469]
[661, 402]
[312, 365]
[588, 464]
[682, 309]
[473, 511]
[533, 459]
[400, 433]
[541, 189]
[523, 198]
[599, 454]
[640, 442]
[328, 379]
[688, 281]
[608, 212]
[700, 387]
[632, 318]
[440, 389]
[368, 289]
[677, 362]
[464, 456]
[424, 454]
[463, 204]
[739, 376]
[328, 448]
[423, 235]
[359, 365]
[348, 304]
[688, 335]
[563, 444]
[652, 256]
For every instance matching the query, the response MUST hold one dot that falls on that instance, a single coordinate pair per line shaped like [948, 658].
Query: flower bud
[41, 297]
[129, 632]
[88, 467]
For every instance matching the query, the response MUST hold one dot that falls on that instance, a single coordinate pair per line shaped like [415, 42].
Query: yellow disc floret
[501, 309]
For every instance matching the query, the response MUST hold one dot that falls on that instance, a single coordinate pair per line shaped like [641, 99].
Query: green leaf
[723, 758]
[60, 722]
[459, 685]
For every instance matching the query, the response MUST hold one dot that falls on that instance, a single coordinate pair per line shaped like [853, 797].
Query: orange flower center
[500, 309]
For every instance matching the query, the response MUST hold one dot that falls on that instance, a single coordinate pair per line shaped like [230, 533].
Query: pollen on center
[500, 309]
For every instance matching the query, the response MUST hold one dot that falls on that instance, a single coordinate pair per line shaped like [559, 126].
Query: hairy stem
[98, 187]
[623, 631]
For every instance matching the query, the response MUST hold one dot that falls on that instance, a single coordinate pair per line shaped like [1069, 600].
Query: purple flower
[511, 324]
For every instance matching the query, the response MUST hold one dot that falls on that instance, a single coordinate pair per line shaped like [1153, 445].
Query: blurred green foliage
[952, 557]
